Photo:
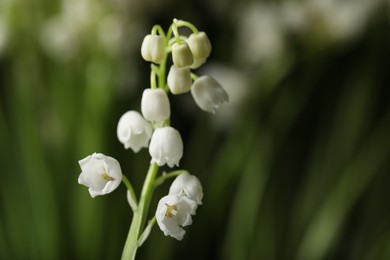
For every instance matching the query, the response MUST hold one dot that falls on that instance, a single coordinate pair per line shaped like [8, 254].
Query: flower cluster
[135, 130]
[151, 129]
[187, 53]
[174, 211]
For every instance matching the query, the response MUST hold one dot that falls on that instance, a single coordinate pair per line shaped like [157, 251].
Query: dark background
[296, 166]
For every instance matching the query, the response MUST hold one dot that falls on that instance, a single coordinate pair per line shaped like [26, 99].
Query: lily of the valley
[155, 105]
[179, 80]
[173, 213]
[200, 45]
[153, 48]
[100, 173]
[186, 185]
[166, 146]
[208, 94]
[182, 55]
[134, 131]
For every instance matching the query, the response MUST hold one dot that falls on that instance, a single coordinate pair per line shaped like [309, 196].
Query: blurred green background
[296, 166]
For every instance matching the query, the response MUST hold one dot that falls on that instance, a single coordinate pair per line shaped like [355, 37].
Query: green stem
[162, 83]
[194, 76]
[140, 214]
[160, 180]
[153, 73]
[157, 28]
[175, 31]
[192, 27]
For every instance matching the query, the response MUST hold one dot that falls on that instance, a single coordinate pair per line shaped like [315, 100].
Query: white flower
[153, 48]
[182, 55]
[200, 45]
[179, 80]
[101, 174]
[173, 213]
[208, 94]
[186, 185]
[166, 146]
[155, 105]
[134, 131]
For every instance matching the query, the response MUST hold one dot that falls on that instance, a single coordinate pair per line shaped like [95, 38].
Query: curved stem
[192, 27]
[160, 180]
[157, 28]
[140, 214]
[175, 31]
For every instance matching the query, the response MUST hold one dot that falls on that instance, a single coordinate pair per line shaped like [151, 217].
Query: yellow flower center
[170, 210]
[107, 177]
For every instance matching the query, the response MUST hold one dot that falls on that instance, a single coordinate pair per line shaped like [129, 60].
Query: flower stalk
[140, 214]
[152, 130]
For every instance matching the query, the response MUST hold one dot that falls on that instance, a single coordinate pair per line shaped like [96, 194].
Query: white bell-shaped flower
[153, 48]
[188, 186]
[101, 174]
[200, 45]
[166, 146]
[182, 55]
[155, 105]
[173, 213]
[179, 80]
[208, 94]
[134, 131]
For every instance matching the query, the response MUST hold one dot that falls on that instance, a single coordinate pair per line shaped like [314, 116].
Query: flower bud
[134, 131]
[166, 146]
[155, 105]
[189, 186]
[101, 174]
[153, 48]
[182, 55]
[208, 94]
[200, 45]
[173, 213]
[179, 80]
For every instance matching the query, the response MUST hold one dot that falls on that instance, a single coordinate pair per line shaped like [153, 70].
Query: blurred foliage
[296, 167]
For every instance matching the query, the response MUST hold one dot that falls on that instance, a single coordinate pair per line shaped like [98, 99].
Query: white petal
[172, 214]
[200, 45]
[182, 55]
[153, 48]
[179, 80]
[166, 146]
[134, 131]
[101, 174]
[189, 186]
[155, 105]
[208, 94]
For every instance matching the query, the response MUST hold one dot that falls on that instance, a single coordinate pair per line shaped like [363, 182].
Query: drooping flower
[188, 186]
[166, 146]
[173, 213]
[182, 55]
[153, 48]
[100, 173]
[155, 105]
[208, 94]
[200, 45]
[134, 131]
[179, 80]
